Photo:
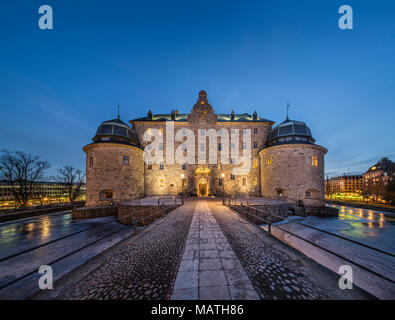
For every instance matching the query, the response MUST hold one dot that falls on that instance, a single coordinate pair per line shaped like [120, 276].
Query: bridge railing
[248, 211]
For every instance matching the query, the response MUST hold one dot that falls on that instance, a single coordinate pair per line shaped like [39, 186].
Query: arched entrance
[202, 188]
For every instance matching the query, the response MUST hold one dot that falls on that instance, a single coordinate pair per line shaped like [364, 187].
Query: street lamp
[182, 188]
[223, 189]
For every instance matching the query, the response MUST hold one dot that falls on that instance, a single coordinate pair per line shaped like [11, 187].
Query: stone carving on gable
[202, 111]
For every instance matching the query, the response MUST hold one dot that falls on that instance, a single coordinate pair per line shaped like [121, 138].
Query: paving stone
[186, 280]
[236, 277]
[208, 254]
[209, 264]
[185, 294]
[243, 292]
[212, 278]
[189, 265]
[214, 293]
[228, 264]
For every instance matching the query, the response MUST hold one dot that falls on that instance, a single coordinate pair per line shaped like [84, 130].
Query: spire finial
[287, 110]
[118, 113]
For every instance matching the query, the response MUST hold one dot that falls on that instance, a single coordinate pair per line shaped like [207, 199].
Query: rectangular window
[255, 181]
[244, 182]
[184, 166]
[232, 160]
[184, 182]
[255, 163]
[202, 132]
[255, 130]
[219, 147]
[219, 166]
[90, 162]
[161, 131]
[149, 165]
[255, 145]
[232, 177]
[161, 165]
[220, 132]
[202, 147]
[314, 161]
[220, 182]
[244, 131]
[125, 160]
[149, 131]
[161, 146]
[269, 160]
[161, 182]
[244, 145]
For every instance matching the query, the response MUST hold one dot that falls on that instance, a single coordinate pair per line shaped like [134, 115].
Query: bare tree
[21, 171]
[73, 179]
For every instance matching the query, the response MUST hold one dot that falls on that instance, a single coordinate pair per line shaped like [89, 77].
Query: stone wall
[108, 173]
[291, 171]
[168, 181]
[94, 212]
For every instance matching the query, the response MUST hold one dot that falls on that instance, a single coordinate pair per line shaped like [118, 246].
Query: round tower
[292, 165]
[114, 165]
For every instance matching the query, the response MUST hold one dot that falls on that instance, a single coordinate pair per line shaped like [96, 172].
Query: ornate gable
[202, 110]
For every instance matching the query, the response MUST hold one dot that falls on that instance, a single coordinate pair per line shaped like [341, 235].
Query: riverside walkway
[202, 250]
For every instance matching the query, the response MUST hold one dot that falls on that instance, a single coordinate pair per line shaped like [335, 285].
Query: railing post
[134, 222]
[158, 201]
[269, 224]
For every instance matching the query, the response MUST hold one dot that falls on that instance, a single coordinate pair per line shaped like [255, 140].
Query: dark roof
[384, 164]
[290, 132]
[222, 117]
[116, 130]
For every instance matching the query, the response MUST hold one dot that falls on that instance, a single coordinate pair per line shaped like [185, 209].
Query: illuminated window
[314, 161]
[219, 166]
[269, 160]
[255, 163]
[161, 182]
[125, 160]
[232, 177]
[149, 131]
[90, 162]
[244, 182]
[220, 182]
[161, 131]
[255, 183]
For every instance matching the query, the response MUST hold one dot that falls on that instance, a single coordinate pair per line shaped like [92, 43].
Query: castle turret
[114, 165]
[292, 165]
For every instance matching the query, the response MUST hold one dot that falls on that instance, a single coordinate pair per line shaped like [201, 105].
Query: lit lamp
[223, 188]
[182, 188]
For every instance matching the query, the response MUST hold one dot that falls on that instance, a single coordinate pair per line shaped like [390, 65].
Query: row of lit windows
[202, 131]
[184, 165]
[220, 182]
[314, 160]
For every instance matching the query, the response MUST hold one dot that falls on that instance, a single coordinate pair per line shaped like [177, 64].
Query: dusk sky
[56, 86]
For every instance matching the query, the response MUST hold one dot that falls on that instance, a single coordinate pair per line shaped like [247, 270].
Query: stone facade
[288, 171]
[106, 174]
[291, 173]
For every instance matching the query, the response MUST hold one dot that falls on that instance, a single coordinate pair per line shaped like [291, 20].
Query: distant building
[43, 189]
[344, 184]
[377, 178]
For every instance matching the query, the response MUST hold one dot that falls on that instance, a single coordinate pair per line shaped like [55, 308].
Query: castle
[283, 162]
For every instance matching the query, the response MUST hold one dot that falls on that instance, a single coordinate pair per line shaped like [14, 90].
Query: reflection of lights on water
[45, 228]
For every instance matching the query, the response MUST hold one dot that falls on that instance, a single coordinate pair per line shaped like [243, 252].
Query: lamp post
[182, 188]
[223, 189]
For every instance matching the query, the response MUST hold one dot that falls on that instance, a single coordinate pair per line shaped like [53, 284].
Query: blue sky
[56, 86]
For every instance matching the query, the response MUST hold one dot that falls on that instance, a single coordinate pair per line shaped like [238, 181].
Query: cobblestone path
[209, 269]
[145, 268]
[273, 274]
